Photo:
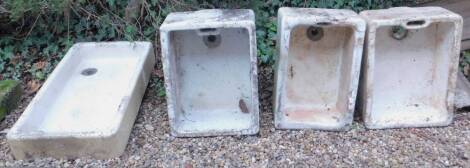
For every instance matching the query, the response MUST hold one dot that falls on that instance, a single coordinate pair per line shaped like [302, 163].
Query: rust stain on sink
[313, 115]
[301, 115]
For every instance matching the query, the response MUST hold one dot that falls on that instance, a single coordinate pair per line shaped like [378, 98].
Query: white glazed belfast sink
[318, 68]
[410, 67]
[88, 104]
[209, 61]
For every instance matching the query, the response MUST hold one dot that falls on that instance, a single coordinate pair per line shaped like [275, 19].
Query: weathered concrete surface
[10, 93]
[209, 62]
[410, 67]
[318, 68]
[88, 104]
[462, 93]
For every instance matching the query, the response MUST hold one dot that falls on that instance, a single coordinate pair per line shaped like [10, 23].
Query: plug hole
[398, 32]
[211, 38]
[212, 41]
[315, 33]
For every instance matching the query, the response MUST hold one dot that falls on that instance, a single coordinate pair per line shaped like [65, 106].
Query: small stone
[5, 131]
[188, 165]
[149, 127]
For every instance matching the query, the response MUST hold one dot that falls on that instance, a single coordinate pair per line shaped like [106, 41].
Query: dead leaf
[33, 86]
[158, 72]
[242, 106]
[15, 59]
[188, 165]
[40, 64]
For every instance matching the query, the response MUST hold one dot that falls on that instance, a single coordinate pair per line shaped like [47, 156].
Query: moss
[7, 85]
[3, 113]
[10, 93]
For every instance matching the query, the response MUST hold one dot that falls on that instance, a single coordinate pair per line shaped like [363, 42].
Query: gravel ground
[151, 145]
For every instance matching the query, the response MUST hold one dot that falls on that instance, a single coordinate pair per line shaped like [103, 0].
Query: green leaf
[39, 75]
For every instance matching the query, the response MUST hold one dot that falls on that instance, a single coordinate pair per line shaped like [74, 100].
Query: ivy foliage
[465, 63]
[43, 30]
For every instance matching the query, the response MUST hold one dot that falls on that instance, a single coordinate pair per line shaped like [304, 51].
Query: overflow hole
[323, 23]
[205, 30]
[416, 23]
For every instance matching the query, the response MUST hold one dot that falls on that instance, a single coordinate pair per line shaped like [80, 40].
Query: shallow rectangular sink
[88, 104]
[209, 61]
[318, 68]
[410, 67]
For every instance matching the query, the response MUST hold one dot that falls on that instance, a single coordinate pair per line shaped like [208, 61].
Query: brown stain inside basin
[313, 115]
[301, 115]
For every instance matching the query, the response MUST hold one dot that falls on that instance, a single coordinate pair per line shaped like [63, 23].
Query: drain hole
[398, 32]
[89, 71]
[211, 38]
[314, 33]
[212, 41]
[416, 23]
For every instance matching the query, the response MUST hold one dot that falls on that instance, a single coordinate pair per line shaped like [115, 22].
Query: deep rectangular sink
[317, 72]
[410, 67]
[209, 60]
[88, 104]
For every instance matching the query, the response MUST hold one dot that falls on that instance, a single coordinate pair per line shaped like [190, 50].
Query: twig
[111, 12]
[32, 27]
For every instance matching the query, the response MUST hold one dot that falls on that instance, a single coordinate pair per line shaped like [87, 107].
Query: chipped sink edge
[400, 16]
[102, 144]
[288, 18]
[253, 131]
[209, 18]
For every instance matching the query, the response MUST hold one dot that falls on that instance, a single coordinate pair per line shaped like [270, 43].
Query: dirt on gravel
[150, 144]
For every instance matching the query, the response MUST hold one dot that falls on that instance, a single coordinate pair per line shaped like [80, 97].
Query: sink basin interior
[85, 91]
[411, 75]
[318, 75]
[213, 85]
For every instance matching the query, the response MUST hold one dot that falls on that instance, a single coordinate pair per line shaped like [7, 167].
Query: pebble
[149, 127]
[5, 131]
